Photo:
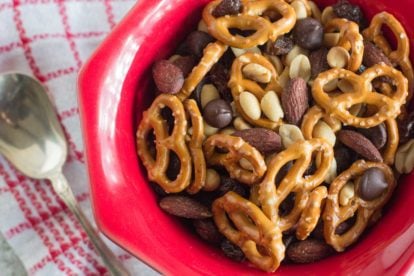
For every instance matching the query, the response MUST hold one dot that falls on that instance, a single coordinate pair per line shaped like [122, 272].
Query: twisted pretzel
[211, 54]
[312, 117]
[196, 146]
[335, 214]
[237, 149]
[339, 104]
[400, 56]
[310, 215]
[393, 138]
[250, 19]
[164, 143]
[350, 39]
[272, 194]
[251, 229]
[238, 84]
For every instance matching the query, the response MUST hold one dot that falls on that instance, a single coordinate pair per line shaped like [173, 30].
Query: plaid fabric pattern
[50, 39]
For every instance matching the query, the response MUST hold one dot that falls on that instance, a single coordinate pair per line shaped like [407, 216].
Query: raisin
[281, 46]
[227, 7]
[219, 76]
[207, 230]
[232, 251]
[351, 12]
[228, 184]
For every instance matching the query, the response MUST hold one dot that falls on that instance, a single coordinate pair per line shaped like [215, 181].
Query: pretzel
[272, 194]
[237, 149]
[211, 54]
[400, 56]
[393, 138]
[252, 229]
[338, 105]
[312, 117]
[334, 214]
[238, 84]
[311, 213]
[164, 143]
[350, 39]
[196, 146]
[250, 19]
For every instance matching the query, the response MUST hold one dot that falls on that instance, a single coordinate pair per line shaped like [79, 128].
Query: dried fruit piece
[264, 140]
[308, 33]
[344, 158]
[281, 46]
[168, 77]
[318, 61]
[372, 184]
[229, 184]
[295, 100]
[360, 144]
[308, 251]
[207, 230]
[227, 7]
[351, 12]
[373, 55]
[197, 41]
[232, 251]
[219, 76]
[185, 207]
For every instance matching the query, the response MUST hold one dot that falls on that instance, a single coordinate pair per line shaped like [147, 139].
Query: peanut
[212, 180]
[404, 159]
[250, 105]
[257, 72]
[300, 67]
[208, 93]
[346, 194]
[290, 134]
[271, 106]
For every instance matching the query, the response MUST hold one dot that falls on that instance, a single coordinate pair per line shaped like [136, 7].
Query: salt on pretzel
[251, 229]
[312, 212]
[238, 84]
[196, 146]
[236, 148]
[400, 56]
[334, 214]
[211, 54]
[272, 194]
[350, 39]
[250, 19]
[393, 138]
[312, 117]
[338, 105]
[164, 143]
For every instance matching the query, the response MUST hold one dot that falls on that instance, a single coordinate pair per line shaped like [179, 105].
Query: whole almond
[264, 140]
[207, 230]
[295, 100]
[360, 144]
[168, 77]
[185, 207]
[373, 55]
[308, 251]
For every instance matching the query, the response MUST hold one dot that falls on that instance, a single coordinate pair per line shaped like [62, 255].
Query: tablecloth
[50, 40]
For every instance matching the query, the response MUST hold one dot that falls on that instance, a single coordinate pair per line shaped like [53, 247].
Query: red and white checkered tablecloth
[51, 39]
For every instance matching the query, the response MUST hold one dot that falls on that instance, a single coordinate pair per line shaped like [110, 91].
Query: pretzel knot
[238, 84]
[400, 56]
[272, 194]
[258, 237]
[164, 143]
[312, 117]
[350, 39]
[235, 148]
[338, 105]
[335, 214]
[250, 19]
[196, 146]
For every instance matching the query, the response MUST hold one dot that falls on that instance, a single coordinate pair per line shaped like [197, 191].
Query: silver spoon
[32, 139]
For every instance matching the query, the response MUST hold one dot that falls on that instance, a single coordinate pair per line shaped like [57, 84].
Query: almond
[308, 251]
[185, 207]
[295, 100]
[373, 55]
[264, 140]
[360, 144]
[207, 230]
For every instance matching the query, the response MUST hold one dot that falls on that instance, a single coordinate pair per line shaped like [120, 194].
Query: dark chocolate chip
[218, 113]
[377, 135]
[372, 184]
[308, 33]
[197, 41]
[168, 77]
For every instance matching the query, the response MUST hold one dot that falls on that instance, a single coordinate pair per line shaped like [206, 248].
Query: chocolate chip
[207, 230]
[377, 135]
[372, 184]
[186, 64]
[228, 184]
[308, 33]
[319, 61]
[227, 7]
[197, 41]
[232, 251]
[406, 128]
[351, 12]
[218, 113]
[168, 77]
[281, 46]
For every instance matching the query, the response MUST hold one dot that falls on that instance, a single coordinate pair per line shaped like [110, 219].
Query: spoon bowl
[31, 138]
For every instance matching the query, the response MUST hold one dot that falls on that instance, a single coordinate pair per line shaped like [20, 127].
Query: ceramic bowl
[114, 89]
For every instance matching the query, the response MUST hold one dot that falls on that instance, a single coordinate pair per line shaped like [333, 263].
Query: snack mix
[281, 129]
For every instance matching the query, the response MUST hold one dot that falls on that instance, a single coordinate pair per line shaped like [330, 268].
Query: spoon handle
[62, 188]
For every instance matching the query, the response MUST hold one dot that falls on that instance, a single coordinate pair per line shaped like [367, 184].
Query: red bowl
[114, 89]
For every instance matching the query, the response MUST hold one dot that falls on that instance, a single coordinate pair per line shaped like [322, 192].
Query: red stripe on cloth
[73, 151]
[4, 6]
[109, 13]
[59, 73]
[21, 227]
[39, 265]
[72, 45]
[69, 113]
[124, 257]
[90, 259]
[23, 38]
[9, 47]
[4, 190]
